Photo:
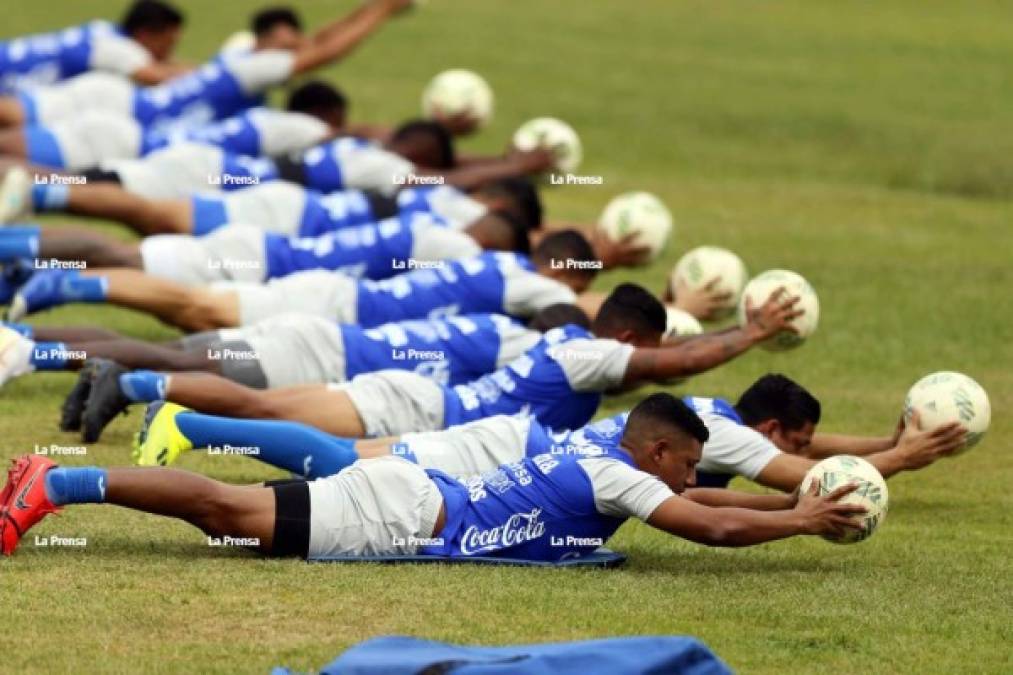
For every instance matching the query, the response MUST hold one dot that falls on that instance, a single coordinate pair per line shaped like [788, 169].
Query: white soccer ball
[758, 290]
[458, 91]
[703, 264]
[871, 493]
[680, 323]
[240, 41]
[945, 397]
[554, 134]
[640, 213]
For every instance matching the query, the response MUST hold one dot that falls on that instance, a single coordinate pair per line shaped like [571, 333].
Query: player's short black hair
[266, 19]
[562, 246]
[316, 96]
[521, 243]
[775, 396]
[662, 408]
[150, 15]
[631, 307]
[522, 192]
[559, 314]
[443, 143]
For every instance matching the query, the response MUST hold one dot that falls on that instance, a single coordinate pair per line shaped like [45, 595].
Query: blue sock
[49, 356]
[50, 197]
[23, 328]
[208, 214]
[76, 485]
[144, 385]
[19, 242]
[293, 446]
[76, 288]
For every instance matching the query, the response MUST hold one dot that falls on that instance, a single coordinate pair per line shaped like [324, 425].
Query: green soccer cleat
[160, 442]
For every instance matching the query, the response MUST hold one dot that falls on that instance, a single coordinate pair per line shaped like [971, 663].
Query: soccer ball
[945, 397]
[703, 264]
[641, 213]
[240, 41]
[758, 290]
[872, 492]
[680, 323]
[458, 91]
[556, 135]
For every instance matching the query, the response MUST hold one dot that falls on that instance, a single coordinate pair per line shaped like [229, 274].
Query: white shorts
[395, 402]
[276, 206]
[295, 349]
[90, 91]
[230, 253]
[379, 506]
[330, 295]
[174, 172]
[95, 137]
[472, 448]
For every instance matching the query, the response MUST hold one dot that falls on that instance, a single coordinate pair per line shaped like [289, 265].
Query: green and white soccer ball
[945, 397]
[871, 493]
[680, 323]
[639, 213]
[703, 264]
[758, 291]
[240, 41]
[554, 134]
[457, 91]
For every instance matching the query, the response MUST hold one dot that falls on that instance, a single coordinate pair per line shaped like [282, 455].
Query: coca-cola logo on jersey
[518, 529]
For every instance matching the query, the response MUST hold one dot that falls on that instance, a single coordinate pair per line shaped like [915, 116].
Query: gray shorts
[473, 448]
[231, 253]
[174, 172]
[88, 140]
[322, 293]
[395, 402]
[381, 506]
[290, 349]
[276, 207]
[86, 92]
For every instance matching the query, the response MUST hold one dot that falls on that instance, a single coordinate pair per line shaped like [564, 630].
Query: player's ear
[768, 427]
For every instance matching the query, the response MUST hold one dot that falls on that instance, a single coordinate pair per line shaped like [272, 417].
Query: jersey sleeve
[527, 292]
[734, 448]
[118, 54]
[593, 365]
[283, 132]
[620, 491]
[257, 71]
[435, 242]
[371, 167]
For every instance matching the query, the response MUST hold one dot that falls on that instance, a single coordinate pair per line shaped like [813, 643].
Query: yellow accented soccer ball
[639, 213]
[703, 264]
[945, 397]
[758, 290]
[458, 91]
[554, 134]
[871, 493]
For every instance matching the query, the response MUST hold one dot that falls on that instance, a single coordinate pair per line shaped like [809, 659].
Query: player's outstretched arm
[718, 497]
[473, 176]
[158, 72]
[337, 40]
[710, 350]
[731, 526]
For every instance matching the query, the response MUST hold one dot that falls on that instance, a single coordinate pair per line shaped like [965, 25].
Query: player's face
[793, 441]
[677, 464]
[162, 43]
[282, 36]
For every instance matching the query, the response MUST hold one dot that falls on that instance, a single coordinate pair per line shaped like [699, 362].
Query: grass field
[868, 146]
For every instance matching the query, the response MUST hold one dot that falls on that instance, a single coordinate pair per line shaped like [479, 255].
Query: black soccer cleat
[105, 400]
[73, 405]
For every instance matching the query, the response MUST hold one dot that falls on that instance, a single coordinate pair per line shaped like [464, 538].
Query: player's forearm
[717, 497]
[474, 176]
[888, 462]
[341, 42]
[696, 356]
[336, 26]
[732, 527]
[828, 445]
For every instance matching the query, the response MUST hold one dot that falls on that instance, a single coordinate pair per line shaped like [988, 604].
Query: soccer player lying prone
[246, 253]
[775, 448]
[560, 267]
[560, 380]
[546, 508]
[225, 86]
[140, 48]
[316, 113]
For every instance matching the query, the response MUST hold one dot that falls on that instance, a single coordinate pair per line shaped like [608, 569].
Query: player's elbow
[725, 532]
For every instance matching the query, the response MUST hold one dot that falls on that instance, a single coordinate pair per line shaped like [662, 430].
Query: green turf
[866, 145]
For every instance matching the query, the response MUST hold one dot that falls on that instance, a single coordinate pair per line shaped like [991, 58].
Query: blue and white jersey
[546, 507]
[325, 213]
[449, 351]
[494, 282]
[354, 163]
[449, 203]
[370, 251]
[559, 381]
[221, 88]
[47, 58]
[254, 133]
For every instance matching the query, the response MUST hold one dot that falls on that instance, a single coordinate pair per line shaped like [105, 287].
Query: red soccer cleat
[23, 501]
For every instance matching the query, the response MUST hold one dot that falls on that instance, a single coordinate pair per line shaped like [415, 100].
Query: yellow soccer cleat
[160, 442]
